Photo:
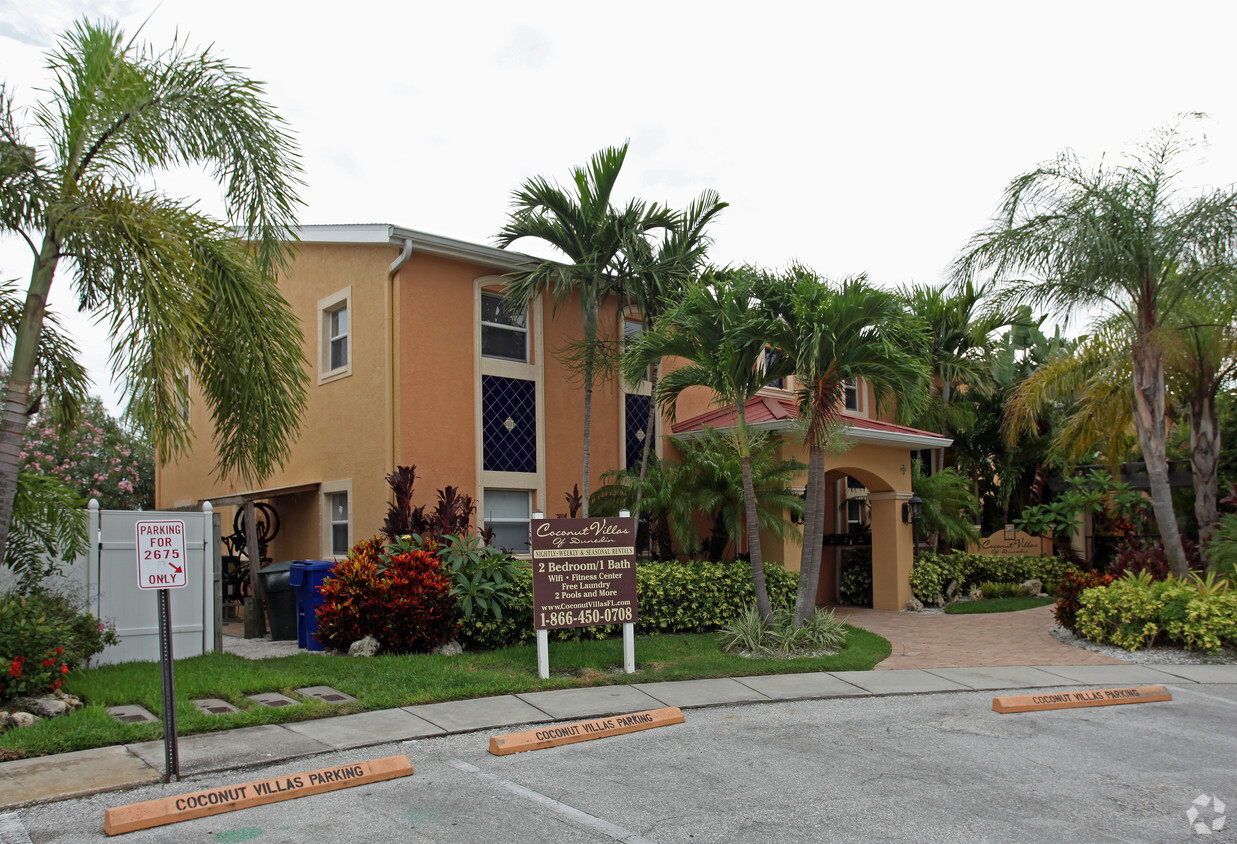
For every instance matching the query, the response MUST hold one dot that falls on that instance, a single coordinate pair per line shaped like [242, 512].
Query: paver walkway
[938, 640]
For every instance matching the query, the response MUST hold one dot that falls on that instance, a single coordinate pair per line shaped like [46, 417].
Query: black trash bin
[280, 599]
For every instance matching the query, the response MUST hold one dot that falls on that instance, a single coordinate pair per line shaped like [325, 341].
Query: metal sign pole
[171, 753]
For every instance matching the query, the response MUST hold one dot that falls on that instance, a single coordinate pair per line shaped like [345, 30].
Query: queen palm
[591, 232]
[718, 328]
[832, 335]
[1120, 240]
[179, 290]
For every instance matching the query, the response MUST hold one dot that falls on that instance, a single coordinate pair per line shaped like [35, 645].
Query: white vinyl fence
[107, 576]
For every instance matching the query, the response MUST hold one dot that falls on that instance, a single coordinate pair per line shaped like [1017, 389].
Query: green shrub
[672, 597]
[855, 582]
[1135, 612]
[42, 638]
[1069, 588]
[749, 633]
[931, 573]
[1003, 590]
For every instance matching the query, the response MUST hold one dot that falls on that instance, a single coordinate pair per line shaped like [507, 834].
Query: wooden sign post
[584, 574]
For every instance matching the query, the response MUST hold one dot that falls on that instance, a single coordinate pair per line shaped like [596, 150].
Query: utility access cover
[161, 555]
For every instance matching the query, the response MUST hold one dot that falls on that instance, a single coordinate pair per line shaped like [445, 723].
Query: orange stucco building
[415, 359]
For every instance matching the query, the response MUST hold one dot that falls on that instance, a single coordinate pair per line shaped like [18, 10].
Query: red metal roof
[768, 411]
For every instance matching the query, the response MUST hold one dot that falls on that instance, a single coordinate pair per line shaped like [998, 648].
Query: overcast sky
[854, 137]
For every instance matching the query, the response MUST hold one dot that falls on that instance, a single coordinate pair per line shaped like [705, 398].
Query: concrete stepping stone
[214, 706]
[326, 694]
[273, 699]
[131, 713]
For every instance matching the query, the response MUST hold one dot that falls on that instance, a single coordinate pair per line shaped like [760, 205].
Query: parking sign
[161, 560]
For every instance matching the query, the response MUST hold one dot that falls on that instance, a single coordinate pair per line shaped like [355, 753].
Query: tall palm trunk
[753, 524]
[813, 535]
[1149, 402]
[1205, 461]
[590, 335]
[16, 412]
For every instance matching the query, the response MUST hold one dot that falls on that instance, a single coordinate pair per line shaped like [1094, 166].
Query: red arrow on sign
[176, 568]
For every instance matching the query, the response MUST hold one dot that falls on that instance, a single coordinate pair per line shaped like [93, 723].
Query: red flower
[64, 669]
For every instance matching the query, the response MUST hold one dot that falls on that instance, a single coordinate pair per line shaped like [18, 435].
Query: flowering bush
[43, 638]
[403, 600]
[1069, 588]
[98, 458]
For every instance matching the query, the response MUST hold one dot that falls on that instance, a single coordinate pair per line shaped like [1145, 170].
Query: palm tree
[711, 483]
[1199, 344]
[718, 328]
[1069, 238]
[655, 279]
[592, 233]
[833, 335]
[180, 291]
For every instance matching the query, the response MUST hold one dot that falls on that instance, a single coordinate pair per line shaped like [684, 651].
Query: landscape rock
[914, 605]
[1034, 588]
[951, 591]
[364, 647]
[46, 707]
[939, 601]
[451, 648]
[4, 719]
[23, 719]
[977, 594]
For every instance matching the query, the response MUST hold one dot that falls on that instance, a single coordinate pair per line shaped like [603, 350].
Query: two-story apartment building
[416, 359]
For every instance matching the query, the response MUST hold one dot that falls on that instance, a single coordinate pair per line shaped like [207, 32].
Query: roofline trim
[856, 433]
[384, 234]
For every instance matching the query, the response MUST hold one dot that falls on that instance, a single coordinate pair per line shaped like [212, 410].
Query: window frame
[327, 492]
[850, 394]
[486, 520]
[328, 308]
[500, 326]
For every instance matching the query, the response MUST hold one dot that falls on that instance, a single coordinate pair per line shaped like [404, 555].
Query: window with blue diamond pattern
[508, 424]
[637, 417]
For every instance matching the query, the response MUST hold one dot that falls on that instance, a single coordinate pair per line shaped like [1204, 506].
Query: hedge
[1133, 613]
[932, 572]
[693, 597]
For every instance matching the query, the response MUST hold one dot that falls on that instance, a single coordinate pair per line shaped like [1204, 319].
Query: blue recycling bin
[306, 576]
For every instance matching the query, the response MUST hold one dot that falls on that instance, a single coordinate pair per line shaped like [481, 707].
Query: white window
[335, 336]
[337, 514]
[504, 329]
[508, 513]
[852, 394]
[633, 327]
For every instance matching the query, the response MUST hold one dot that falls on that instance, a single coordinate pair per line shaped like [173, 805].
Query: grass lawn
[998, 605]
[383, 682]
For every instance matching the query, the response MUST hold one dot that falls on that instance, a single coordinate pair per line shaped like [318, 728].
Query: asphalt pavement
[913, 754]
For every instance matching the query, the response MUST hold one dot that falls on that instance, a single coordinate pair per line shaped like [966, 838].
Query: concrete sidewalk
[85, 772]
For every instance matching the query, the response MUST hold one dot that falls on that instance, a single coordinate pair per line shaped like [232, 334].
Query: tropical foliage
[719, 328]
[1122, 240]
[834, 335]
[586, 227]
[179, 290]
